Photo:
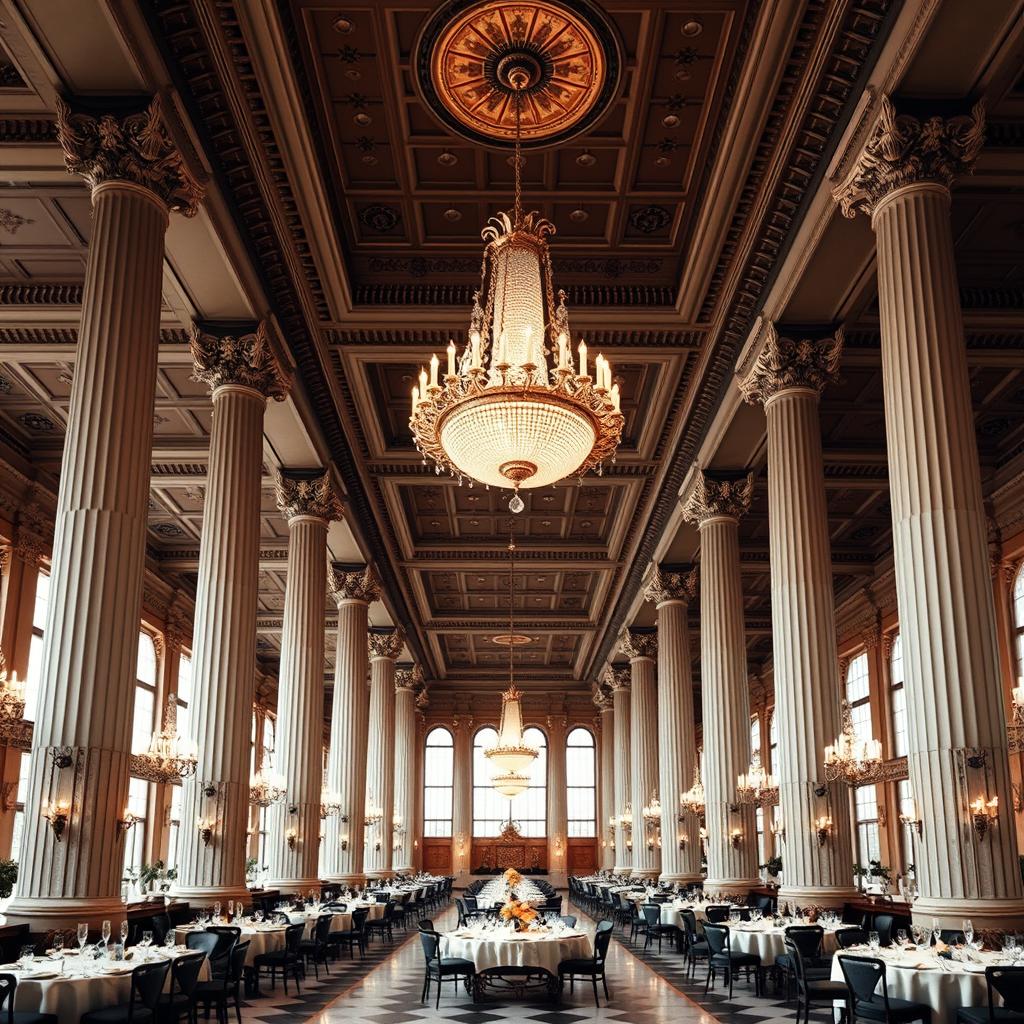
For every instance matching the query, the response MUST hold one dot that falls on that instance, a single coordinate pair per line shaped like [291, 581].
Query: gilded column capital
[671, 586]
[423, 698]
[30, 546]
[386, 643]
[348, 584]
[603, 697]
[307, 496]
[130, 145]
[618, 678]
[408, 678]
[178, 627]
[239, 356]
[786, 363]
[904, 150]
[713, 498]
[635, 644]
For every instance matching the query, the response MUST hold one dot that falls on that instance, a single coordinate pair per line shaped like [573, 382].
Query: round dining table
[768, 940]
[262, 937]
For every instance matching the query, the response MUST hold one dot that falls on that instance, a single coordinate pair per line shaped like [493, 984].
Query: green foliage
[773, 865]
[8, 876]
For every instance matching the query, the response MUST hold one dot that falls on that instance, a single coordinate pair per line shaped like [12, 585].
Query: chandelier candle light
[169, 756]
[692, 801]
[757, 786]
[266, 788]
[502, 415]
[851, 758]
[12, 695]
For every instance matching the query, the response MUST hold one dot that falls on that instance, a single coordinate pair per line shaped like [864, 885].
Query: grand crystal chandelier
[515, 410]
[850, 758]
[266, 788]
[692, 801]
[12, 695]
[169, 756]
[756, 786]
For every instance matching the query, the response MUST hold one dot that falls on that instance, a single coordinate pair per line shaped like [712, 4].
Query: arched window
[581, 782]
[858, 694]
[755, 734]
[438, 782]
[1018, 618]
[490, 809]
[145, 695]
[897, 698]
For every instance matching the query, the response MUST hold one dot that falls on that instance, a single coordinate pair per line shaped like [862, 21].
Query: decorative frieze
[713, 497]
[243, 358]
[307, 496]
[671, 586]
[785, 363]
[353, 584]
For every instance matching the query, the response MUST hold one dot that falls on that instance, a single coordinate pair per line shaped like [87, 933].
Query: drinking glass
[231, 908]
[968, 928]
[58, 942]
[170, 940]
[216, 909]
[919, 932]
[27, 953]
[874, 941]
[901, 936]
[124, 932]
[936, 929]
[146, 941]
[83, 935]
[105, 932]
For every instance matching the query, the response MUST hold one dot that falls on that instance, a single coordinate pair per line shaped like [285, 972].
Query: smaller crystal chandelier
[330, 802]
[169, 756]
[652, 811]
[12, 695]
[626, 818]
[374, 813]
[850, 758]
[692, 801]
[756, 787]
[266, 788]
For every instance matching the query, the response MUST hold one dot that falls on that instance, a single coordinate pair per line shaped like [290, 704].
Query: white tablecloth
[69, 995]
[524, 949]
[769, 942]
[494, 892]
[261, 938]
[671, 913]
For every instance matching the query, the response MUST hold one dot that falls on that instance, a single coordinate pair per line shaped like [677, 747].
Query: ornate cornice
[904, 150]
[635, 644]
[307, 496]
[134, 146]
[235, 357]
[671, 586]
[385, 643]
[353, 584]
[785, 363]
[712, 498]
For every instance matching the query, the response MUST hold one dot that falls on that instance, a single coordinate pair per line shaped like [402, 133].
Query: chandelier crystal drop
[12, 695]
[692, 801]
[169, 756]
[756, 786]
[266, 788]
[514, 409]
[850, 758]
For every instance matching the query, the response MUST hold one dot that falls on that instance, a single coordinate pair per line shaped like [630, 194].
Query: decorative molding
[230, 357]
[785, 363]
[11, 221]
[715, 497]
[455, 294]
[307, 496]
[385, 643]
[671, 586]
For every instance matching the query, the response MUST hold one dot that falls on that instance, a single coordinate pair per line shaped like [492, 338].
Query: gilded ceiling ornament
[11, 221]
[385, 643]
[635, 644]
[712, 498]
[133, 147]
[246, 360]
[903, 150]
[353, 584]
[786, 363]
[307, 496]
[671, 586]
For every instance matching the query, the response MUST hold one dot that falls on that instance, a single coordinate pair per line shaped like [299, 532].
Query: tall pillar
[606, 787]
[242, 373]
[137, 176]
[354, 590]
[619, 680]
[22, 562]
[407, 682]
[462, 798]
[716, 506]
[957, 731]
[557, 809]
[309, 504]
[788, 377]
[385, 646]
[641, 649]
[672, 593]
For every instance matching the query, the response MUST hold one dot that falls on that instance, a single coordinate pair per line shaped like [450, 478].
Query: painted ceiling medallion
[470, 50]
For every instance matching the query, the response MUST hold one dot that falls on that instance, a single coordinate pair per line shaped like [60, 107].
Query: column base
[404, 869]
[825, 897]
[986, 915]
[730, 886]
[622, 869]
[379, 873]
[682, 879]
[359, 879]
[294, 885]
[42, 915]
[210, 894]
[645, 873]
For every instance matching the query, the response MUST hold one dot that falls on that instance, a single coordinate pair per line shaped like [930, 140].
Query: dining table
[262, 936]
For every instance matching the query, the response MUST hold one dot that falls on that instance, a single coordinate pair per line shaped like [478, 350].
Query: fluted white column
[385, 646]
[557, 809]
[788, 377]
[354, 591]
[407, 682]
[671, 593]
[308, 503]
[716, 506]
[462, 797]
[956, 725]
[641, 648]
[619, 681]
[90, 643]
[606, 787]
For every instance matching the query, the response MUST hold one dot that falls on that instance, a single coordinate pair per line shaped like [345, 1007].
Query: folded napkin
[39, 975]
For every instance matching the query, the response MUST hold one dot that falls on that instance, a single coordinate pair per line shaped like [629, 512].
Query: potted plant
[772, 868]
[8, 876]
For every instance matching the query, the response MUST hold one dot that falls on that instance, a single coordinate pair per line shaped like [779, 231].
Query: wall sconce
[703, 832]
[415, 844]
[126, 823]
[779, 830]
[57, 815]
[683, 840]
[984, 815]
[322, 834]
[629, 843]
[62, 757]
[291, 837]
[735, 838]
[206, 827]
[343, 842]
[376, 846]
[912, 819]
[822, 829]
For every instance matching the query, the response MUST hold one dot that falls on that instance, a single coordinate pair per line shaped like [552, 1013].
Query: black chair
[227, 937]
[811, 990]
[847, 937]
[216, 993]
[8, 986]
[203, 942]
[718, 914]
[147, 983]
[179, 1002]
[952, 937]
[697, 949]
[383, 925]
[441, 969]
[161, 926]
[869, 994]
[724, 958]
[569, 920]
[652, 928]
[352, 937]
[287, 960]
[1008, 983]
[808, 939]
[315, 948]
[590, 967]
[883, 924]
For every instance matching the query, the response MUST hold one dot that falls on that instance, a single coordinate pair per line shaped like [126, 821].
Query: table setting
[493, 945]
[263, 936]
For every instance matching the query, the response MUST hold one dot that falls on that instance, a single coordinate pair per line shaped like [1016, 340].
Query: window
[858, 695]
[897, 698]
[866, 817]
[581, 782]
[755, 735]
[19, 807]
[762, 857]
[907, 809]
[773, 741]
[145, 695]
[490, 809]
[438, 782]
[135, 840]
[35, 649]
[269, 740]
[184, 696]
[1018, 618]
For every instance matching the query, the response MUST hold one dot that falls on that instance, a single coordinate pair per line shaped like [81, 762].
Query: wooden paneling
[582, 859]
[437, 856]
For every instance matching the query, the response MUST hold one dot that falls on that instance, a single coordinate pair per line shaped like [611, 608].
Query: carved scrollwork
[671, 586]
[785, 363]
[385, 643]
[307, 496]
[245, 358]
[712, 498]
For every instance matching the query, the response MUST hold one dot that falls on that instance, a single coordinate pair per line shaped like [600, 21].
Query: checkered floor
[646, 988]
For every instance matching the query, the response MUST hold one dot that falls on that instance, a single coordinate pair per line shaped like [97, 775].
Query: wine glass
[147, 940]
[124, 932]
[231, 908]
[170, 940]
[968, 931]
[58, 942]
[874, 941]
[26, 957]
[216, 909]
[936, 929]
[105, 932]
[83, 936]
[901, 936]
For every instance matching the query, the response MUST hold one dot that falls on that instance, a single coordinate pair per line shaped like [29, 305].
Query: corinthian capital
[408, 678]
[130, 146]
[385, 643]
[635, 644]
[602, 698]
[786, 363]
[244, 358]
[307, 496]
[671, 586]
[903, 150]
[617, 678]
[353, 584]
[711, 498]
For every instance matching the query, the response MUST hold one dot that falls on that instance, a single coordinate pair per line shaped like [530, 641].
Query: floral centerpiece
[512, 880]
[520, 913]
